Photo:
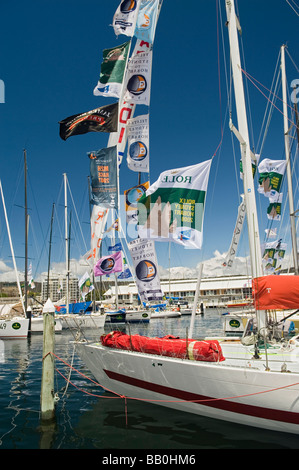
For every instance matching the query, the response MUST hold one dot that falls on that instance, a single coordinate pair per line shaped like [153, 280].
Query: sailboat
[253, 382]
[13, 321]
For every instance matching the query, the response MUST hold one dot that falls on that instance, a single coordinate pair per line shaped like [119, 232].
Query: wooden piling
[47, 387]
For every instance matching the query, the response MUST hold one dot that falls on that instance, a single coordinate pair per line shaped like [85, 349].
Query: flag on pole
[274, 208]
[145, 266]
[125, 17]
[103, 119]
[109, 264]
[138, 143]
[112, 71]
[147, 20]
[116, 247]
[138, 86]
[132, 197]
[103, 172]
[31, 282]
[271, 174]
[98, 221]
[125, 274]
[85, 285]
[172, 209]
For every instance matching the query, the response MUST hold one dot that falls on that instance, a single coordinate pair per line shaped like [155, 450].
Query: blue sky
[50, 59]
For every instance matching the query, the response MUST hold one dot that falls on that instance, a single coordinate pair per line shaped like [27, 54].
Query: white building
[214, 292]
[57, 289]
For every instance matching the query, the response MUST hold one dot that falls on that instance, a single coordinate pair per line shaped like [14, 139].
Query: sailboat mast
[288, 161]
[26, 233]
[66, 243]
[11, 249]
[249, 194]
[49, 258]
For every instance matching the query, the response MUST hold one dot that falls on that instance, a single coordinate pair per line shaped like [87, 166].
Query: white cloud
[213, 267]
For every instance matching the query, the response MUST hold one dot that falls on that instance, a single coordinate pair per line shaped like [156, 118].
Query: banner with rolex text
[172, 209]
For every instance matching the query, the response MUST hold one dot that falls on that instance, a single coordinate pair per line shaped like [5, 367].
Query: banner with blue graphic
[147, 20]
[138, 143]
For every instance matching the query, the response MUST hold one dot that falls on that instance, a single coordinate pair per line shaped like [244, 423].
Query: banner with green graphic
[172, 209]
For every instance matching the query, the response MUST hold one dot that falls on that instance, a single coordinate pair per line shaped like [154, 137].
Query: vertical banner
[125, 17]
[274, 208]
[85, 285]
[132, 197]
[126, 111]
[112, 71]
[138, 143]
[172, 209]
[138, 85]
[236, 236]
[254, 164]
[147, 20]
[145, 265]
[98, 222]
[103, 172]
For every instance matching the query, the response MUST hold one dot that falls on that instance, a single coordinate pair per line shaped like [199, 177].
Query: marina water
[89, 418]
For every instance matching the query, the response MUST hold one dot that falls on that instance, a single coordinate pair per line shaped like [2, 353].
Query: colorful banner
[116, 247]
[126, 111]
[271, 174]
[138, 86]
[112, 71]
[103, 172]
[236, 236]
[132, 197]
[147, 20]
[125, 274]
[145, 265]
[109, 264]
[138, 143]
[275, 249]
[172, 209]
[274, 208]
[98, 221]
[103, 119]
[85, 285]
[254, 164]
[125, 17]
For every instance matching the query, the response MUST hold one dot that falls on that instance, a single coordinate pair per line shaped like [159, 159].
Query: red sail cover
[276, 292]
[209, 351]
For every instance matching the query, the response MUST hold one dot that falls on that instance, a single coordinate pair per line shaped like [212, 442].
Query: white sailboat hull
[82, 321]
[166, 314]
[15, 328]
[37, 325]
[237, 391]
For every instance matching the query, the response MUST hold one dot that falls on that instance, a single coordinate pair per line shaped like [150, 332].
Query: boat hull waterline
[244, 395]
[16, 328]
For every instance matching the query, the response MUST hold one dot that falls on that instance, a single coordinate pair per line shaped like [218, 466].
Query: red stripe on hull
[233, 407]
